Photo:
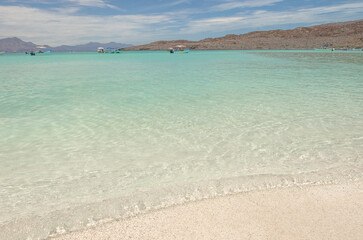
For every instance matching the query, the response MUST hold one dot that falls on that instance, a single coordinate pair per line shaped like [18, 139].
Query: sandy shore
[311, 212]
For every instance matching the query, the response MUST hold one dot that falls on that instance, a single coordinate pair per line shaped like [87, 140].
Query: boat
[109, 50]
[179, 49]
[46, 52]
[112, 50]
[39, 51]
[2, 53]
[33, 53]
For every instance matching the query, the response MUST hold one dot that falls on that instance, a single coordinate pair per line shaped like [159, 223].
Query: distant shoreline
[334, 35]
[354, 50]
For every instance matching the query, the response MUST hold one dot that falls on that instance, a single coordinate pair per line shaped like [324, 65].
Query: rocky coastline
[334, 35]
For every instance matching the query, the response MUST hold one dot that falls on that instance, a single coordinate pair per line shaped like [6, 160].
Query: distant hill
[339, 35]
[89, 47]
[17, 45]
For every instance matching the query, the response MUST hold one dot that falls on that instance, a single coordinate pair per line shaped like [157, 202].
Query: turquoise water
[86, 137]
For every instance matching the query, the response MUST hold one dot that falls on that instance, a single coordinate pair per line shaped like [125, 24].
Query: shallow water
[86, 137]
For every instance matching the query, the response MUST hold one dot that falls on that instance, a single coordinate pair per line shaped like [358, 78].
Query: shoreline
[305, 212]
[343, 50]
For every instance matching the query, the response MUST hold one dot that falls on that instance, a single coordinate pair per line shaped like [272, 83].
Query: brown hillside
[339, 35]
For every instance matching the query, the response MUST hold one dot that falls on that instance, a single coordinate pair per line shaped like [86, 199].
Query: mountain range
[17, 45]
[337, 35]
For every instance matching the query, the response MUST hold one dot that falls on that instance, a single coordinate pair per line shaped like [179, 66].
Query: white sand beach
[309, 212]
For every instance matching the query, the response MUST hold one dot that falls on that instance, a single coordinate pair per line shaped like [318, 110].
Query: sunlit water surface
[90, 137]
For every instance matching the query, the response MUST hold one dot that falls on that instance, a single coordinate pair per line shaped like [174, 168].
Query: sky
[57, 22]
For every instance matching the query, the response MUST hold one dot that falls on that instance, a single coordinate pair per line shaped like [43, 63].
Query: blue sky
[57, 22]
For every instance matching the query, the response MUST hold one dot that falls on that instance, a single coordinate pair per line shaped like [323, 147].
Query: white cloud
[62, 27]
[93, 3]
[88, 3]
[268, 18]
[66, 26]
[175, 3]
[242, 4]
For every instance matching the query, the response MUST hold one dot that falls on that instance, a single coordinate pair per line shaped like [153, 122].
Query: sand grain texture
[316, 212]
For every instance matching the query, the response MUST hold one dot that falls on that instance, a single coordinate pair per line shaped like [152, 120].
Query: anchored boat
[112, 50]
[179, 49]
[109, 50]
[39, 51]
[100, 50]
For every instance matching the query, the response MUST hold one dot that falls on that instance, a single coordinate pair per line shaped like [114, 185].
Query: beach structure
[179, 49]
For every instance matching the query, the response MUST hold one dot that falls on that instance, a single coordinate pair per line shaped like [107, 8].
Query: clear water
[86, 138]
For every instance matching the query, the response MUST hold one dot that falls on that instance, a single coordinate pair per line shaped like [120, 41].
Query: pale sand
[311, 212]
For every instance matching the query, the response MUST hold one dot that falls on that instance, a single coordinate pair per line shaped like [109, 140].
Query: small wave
[82, 216]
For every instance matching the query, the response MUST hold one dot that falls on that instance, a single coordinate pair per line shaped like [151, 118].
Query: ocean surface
[88, 138]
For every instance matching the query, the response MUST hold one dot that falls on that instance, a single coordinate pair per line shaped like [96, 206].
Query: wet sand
[309, 212]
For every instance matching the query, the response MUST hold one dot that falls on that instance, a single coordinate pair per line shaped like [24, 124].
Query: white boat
[179, 49]
[101, 50]
[2, 53]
